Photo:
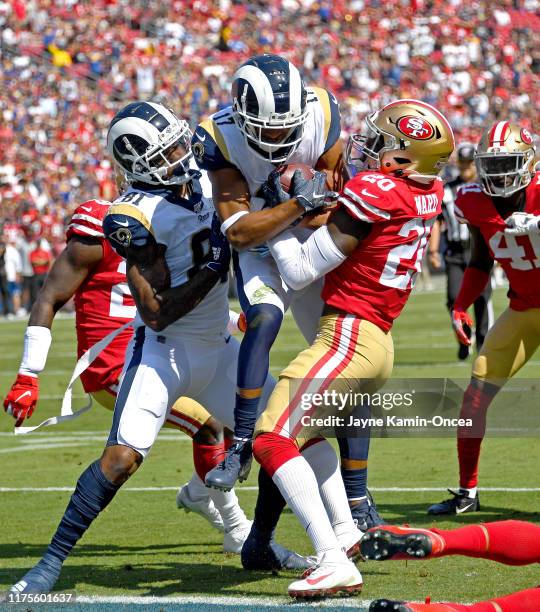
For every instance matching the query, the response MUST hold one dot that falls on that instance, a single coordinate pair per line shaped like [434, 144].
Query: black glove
[309, 193]
[272, 191]
[220, 252]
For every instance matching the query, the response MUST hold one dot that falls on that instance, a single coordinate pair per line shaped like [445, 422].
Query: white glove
[521, 224]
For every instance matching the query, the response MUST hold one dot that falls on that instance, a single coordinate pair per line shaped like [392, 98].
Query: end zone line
[271, 601]
[253, 488]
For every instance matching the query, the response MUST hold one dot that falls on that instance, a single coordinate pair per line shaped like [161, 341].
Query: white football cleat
[350, 543]
[334, 575]
[204, 507]
[235, 537]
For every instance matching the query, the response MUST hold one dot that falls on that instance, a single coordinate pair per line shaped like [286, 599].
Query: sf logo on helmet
[415, 127]
[526, 136]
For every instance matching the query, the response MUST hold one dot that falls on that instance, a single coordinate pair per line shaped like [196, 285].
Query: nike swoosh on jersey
[123, 223]
[317, 580]
[367, 193]
[23, 395]
[87, 208]
[201, 138]
[461, 510]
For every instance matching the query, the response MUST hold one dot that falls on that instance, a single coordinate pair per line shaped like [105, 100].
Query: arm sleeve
[301, 263]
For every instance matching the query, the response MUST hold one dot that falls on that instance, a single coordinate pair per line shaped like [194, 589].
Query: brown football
[287, 172]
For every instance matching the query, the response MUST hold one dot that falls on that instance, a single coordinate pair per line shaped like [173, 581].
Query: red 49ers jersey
[102, 303]
[519, 256]
[375, 281]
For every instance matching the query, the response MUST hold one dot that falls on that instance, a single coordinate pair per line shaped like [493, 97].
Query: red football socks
[206, 457]
[475, 404]
[509, 542]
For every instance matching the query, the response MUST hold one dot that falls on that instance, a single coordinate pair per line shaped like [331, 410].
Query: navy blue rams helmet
[269, 106]
[150, 144]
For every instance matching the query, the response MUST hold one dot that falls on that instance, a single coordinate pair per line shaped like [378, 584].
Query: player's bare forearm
[160, 306]
[258, 227]
[177, 302]
[480, 256]
[231, 196]
[67, 274]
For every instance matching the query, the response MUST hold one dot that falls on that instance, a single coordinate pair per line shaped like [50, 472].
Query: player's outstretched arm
[301, 263]
[66, 275]
[246, 229]
[475, 278]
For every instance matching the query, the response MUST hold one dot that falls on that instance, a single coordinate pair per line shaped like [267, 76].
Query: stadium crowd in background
[67, 65]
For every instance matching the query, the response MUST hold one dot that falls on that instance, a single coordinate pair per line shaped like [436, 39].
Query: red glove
[460, 322]
[22, 398]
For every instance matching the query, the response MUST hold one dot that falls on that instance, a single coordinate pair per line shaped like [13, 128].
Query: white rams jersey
[183, 226]
[218, 142]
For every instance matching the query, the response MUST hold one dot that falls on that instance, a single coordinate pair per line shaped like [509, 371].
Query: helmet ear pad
[126, 150]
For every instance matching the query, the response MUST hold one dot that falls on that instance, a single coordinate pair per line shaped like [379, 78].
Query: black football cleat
[459, 503]
[261, 553]
[387, 605]
[235, 466]
[365, 514]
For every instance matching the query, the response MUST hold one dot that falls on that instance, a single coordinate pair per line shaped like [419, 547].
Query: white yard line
[269, 601]
[253, 488]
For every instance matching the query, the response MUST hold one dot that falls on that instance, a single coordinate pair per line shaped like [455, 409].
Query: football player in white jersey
[273, 120]
[177, 261]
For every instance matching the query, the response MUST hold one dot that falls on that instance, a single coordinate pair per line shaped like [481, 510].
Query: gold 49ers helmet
[505, 159]
[406, 138]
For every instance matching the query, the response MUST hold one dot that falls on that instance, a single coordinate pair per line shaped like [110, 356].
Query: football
[286, 172]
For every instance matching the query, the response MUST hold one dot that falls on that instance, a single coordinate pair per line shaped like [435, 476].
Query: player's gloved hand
[460, 322]
[311, 194]
[220, 252]
[272, 191]
[520, 224]
[22, 398]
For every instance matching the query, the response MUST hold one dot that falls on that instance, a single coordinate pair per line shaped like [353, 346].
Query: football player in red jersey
[90, 270]
[509, 542]
[500, 212]
[371, 251]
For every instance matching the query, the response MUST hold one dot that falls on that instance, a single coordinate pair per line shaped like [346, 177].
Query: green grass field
[143, 546]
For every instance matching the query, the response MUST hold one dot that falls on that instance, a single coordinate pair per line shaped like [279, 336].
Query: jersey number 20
[408, 251]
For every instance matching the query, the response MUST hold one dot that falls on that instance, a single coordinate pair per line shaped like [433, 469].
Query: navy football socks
[270, 504]
[355, 480]
[263, 323]
[92, 494]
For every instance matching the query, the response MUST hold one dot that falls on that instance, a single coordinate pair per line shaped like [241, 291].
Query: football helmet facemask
[406, 137]
[151, 144]
[505, 159]
[269, 97]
